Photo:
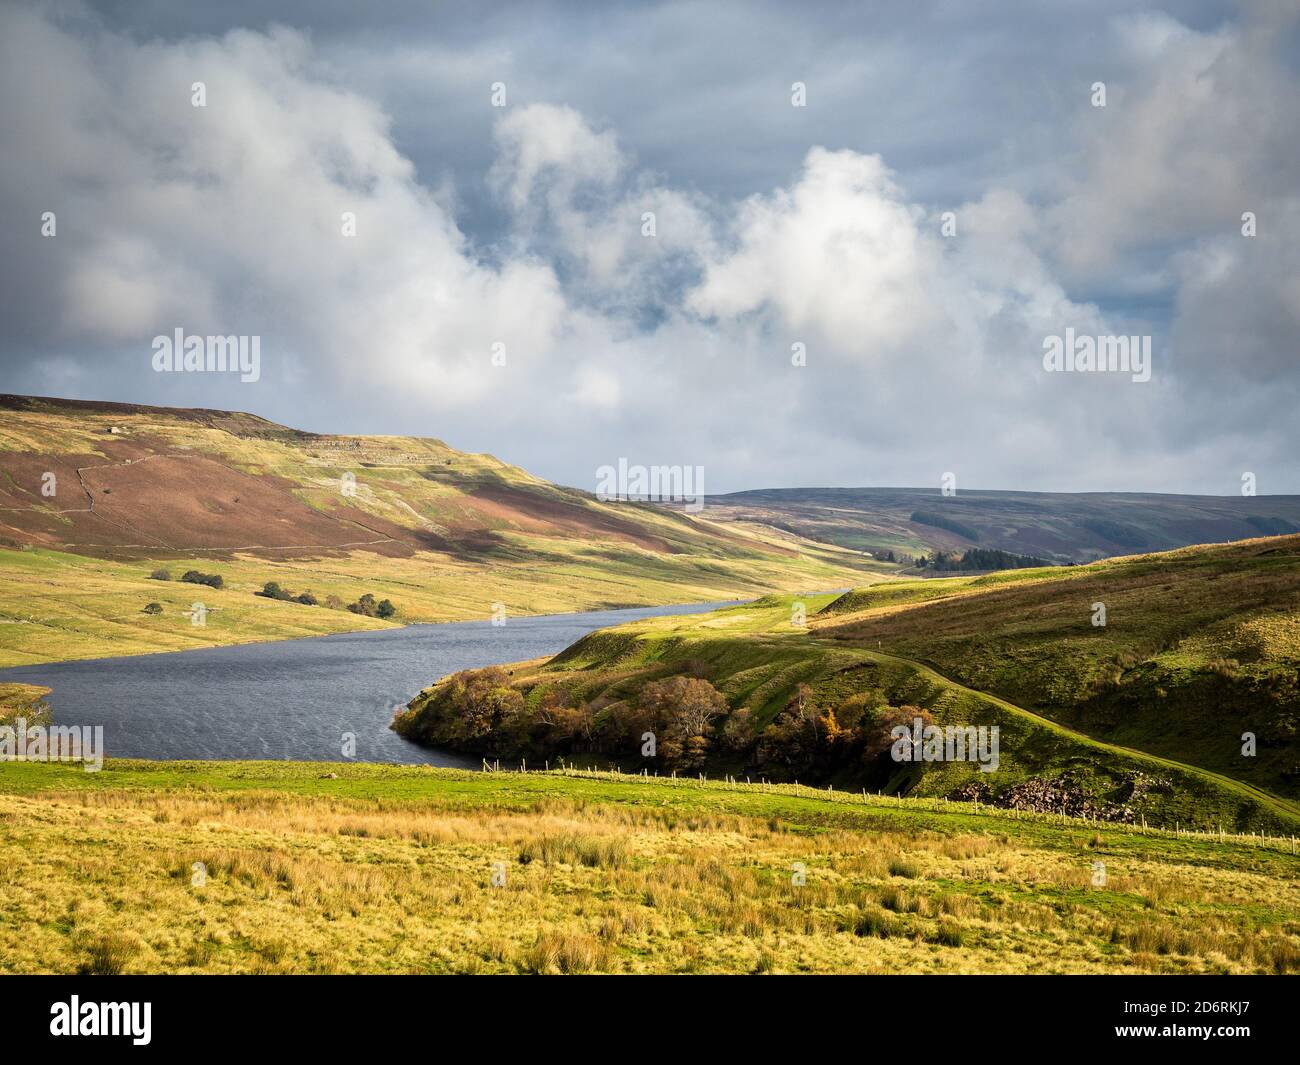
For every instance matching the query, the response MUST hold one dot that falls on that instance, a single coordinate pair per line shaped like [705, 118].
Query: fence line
[934, 804]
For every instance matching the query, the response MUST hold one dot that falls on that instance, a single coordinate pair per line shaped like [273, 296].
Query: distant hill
[1058, 526]
[94, 497]
[133, 481]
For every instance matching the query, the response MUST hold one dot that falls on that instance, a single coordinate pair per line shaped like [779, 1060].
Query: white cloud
[544, 141]
[923, 350]
[839, 253]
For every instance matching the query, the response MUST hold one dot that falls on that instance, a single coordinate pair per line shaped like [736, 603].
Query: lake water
[294, 699]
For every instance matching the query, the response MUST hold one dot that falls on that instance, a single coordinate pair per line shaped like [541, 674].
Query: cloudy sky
[521, 229]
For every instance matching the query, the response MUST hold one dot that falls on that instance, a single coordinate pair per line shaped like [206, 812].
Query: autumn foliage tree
[878, 733]
[482, 704]
[681, 712]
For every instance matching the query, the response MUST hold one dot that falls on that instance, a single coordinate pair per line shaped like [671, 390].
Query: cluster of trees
[678, 723]
[812, 740]
[980, 558]
[272, 590]
[212, 580]
[670, 722]
[367, 605]
[190, 576]
[888, 554]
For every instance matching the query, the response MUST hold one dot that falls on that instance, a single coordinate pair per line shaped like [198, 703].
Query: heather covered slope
[1058, 526]
[132, 481]
[443, 534]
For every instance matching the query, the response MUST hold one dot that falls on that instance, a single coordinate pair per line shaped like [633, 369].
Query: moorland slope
[95, 497]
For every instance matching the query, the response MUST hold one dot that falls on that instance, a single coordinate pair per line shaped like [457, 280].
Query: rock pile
[1061, 795]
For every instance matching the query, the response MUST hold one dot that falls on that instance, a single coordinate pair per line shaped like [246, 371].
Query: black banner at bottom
[150, 1014]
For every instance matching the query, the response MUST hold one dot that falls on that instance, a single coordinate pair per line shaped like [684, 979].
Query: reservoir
[296, 699]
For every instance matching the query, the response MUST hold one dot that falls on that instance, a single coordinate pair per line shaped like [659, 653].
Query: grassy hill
[1058, 526]
[277, 868]
[813, 703]
[1199, 647]
[443, 534]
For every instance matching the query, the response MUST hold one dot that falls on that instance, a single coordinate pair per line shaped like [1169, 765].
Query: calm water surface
[295, 699]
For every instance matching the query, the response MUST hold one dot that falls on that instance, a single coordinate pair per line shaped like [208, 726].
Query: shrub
[273, 590]
[161, 575]
[567, 952]
[109, 956]
[594, 852]
[876, 923]
[368, 607]
[212, 580]
[307, 599]
[948, 934]
[907, 870]
[153, 608]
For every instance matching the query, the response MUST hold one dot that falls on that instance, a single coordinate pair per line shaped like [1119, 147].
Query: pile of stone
[1061, 795]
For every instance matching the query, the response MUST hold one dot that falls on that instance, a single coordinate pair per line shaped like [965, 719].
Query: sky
[789, 245]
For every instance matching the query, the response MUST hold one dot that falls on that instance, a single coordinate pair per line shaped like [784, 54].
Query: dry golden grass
[106, 881]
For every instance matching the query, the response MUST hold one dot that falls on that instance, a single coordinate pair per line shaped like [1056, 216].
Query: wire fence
[931, 804]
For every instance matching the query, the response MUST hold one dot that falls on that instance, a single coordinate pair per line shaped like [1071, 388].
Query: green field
[353, 868]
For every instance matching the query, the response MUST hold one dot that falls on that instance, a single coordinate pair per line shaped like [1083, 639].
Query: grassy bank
[1198, 648]
[56, 606]
[812, 710]
[342, 868]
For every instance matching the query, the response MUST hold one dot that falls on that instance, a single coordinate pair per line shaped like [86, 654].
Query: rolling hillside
[1141, 719]
[1199, 646]
[1062, 527]
[94, 497]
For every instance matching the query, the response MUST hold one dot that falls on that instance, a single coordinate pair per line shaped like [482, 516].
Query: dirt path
[1275, 802]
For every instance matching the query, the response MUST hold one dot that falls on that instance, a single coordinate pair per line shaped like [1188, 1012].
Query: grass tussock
[461, 876]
